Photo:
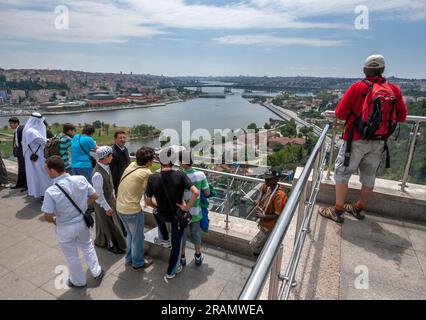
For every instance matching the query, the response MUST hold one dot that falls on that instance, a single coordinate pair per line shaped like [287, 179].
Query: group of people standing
[72, 183]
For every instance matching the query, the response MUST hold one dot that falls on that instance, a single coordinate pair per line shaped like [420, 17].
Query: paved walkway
[29, 256]
[377, 258]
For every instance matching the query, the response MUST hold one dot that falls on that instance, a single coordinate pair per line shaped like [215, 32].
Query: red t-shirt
[353, 99]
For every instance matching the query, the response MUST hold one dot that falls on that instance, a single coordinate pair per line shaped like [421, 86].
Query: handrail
[331, 113]
[416, 119]
[272, 248]
[233, 175]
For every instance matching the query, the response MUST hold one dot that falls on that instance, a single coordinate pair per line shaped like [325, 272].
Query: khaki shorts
[366, 156]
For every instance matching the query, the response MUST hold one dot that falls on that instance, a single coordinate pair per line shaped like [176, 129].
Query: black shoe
[25, 189]
[16, 187]
[147, 263]
[116, 250]
[72, 285]
[100, 276]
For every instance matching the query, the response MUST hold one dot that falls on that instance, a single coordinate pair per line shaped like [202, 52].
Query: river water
[233, 112]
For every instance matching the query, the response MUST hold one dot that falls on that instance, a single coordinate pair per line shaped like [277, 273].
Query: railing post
[301, 211]
[227, 205]
[333, 141]
[275, 275]
[410, 156]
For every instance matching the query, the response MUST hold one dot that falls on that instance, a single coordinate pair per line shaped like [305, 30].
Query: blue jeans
[194, 230]
[134, 223]
[85, 172]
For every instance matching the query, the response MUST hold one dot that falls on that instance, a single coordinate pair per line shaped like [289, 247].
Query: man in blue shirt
[71, 229]
[81, 146]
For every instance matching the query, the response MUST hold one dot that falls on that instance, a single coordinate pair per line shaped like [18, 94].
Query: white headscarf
[33, 129]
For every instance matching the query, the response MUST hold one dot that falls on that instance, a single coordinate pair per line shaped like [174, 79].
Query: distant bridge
[238, 86]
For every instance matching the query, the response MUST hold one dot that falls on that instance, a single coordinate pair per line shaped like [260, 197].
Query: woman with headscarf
[33, 143]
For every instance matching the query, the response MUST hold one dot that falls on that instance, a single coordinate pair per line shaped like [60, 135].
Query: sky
[328, 38]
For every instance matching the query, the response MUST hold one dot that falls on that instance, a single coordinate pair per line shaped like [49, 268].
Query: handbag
[183, 218]
[34, 156]
[87, 215]
[92, 160]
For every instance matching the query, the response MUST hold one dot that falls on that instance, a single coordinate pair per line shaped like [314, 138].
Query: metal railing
[412, 142]
[231, 180]
[270, 259]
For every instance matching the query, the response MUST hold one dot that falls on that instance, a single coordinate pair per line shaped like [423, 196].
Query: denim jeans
[176, 240]
[85, 172]
[134, 225]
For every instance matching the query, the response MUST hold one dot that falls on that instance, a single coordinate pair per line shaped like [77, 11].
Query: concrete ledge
[387, 200]
[236, 239]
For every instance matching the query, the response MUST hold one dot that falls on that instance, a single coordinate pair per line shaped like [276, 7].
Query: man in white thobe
[33, 143]
[72, 232]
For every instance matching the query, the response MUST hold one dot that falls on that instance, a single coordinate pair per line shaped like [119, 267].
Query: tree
[305, 131]
[267, 126]
[107, 128]
[252, 126]
[289, 129]
[97, 124]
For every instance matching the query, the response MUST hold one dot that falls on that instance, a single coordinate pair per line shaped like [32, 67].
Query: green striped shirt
[199, 180]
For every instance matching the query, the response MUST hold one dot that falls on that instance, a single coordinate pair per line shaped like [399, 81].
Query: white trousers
[70, 238]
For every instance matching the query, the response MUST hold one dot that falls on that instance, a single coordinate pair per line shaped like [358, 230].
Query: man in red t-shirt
[366, 155]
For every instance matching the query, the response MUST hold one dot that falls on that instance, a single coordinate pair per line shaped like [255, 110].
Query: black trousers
[22, 177]
[176, 239]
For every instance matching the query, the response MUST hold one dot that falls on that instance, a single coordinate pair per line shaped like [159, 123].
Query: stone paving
[390, 252]
[29, 256]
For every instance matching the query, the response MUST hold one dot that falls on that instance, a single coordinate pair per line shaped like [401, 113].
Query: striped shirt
[199, 180]
[64, 149]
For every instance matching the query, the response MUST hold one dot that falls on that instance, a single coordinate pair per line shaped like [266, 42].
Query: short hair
[14, 120]
[144, 155]
[167, 157]
[67, 127]
[185, 157]
[118, 132]
[56, 163]
[88, 129]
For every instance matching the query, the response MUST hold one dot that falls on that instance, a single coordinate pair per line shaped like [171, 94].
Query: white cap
[103, 152]
[375, 61]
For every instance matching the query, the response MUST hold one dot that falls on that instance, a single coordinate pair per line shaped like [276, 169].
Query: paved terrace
[391, 247]
[29, 255]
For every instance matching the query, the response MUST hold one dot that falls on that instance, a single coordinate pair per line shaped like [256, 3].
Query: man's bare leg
[341, 192]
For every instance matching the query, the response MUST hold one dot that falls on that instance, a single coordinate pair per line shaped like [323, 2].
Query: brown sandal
[330, 213]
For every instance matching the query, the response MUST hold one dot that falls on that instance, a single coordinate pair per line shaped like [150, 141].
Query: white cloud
[269, 40]
[101, 21]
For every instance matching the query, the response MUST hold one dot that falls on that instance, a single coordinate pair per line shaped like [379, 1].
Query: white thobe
[37, 179]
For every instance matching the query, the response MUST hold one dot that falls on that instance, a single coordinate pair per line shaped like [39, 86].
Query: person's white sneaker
[164, 243]
[178, 270]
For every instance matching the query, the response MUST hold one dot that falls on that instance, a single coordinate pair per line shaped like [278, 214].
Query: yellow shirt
[132, 189]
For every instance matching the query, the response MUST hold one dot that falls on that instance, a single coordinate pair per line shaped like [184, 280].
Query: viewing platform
[387, 249]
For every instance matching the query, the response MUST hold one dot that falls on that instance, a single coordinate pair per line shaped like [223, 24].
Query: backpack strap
[69, 198]
[122, 178]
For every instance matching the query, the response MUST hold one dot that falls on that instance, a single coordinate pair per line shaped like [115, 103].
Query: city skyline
[215, 38]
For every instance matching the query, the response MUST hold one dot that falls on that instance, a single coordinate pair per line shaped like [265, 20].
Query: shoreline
[113, 108]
